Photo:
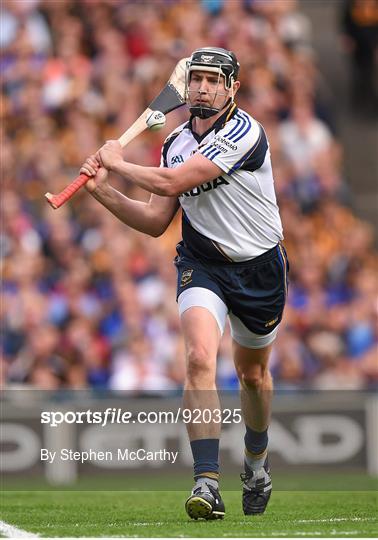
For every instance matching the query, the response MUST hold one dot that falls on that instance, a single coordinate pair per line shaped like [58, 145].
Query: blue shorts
[254, 291]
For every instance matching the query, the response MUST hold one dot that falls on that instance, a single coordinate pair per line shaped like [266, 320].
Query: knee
[200, 366]
[254, 378]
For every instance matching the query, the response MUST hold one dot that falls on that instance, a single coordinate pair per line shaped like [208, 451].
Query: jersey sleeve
[164, 150]
[240, 144]
[167, 143]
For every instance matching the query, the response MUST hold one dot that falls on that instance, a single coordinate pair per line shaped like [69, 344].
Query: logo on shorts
[270, 323]
[186, 277]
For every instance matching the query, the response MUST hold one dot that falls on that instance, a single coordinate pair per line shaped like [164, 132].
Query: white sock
[255, 463]
[203, 480]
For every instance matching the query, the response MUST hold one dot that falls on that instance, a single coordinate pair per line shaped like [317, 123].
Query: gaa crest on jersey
[186, 277]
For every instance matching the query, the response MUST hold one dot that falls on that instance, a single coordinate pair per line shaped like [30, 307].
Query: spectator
[87, 302]
[360, 27]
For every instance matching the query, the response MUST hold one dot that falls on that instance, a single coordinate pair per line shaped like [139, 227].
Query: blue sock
[205, 456]
[256, 442]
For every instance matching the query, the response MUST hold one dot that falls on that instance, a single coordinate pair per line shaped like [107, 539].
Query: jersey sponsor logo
[208, 186]
[175, 160]
[220, 147]
[225, 142]
[186, 277]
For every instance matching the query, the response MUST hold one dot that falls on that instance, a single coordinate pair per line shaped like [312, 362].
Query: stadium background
[89, 303]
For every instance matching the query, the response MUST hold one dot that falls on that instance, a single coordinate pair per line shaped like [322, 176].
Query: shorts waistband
[256, 261]
[264, 257]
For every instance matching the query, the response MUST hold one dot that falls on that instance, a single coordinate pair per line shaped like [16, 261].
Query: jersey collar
[218, 124]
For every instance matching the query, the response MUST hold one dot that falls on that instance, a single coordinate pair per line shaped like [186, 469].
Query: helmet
[217, 60]
[213, 59]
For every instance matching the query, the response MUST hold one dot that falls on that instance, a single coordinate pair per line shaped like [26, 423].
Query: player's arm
[161, 181]
[152, 217]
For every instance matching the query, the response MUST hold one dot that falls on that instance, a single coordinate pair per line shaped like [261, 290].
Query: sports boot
[257, 487]
[205, 502]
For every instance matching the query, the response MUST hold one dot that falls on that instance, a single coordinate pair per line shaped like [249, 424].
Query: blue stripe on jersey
[208, 150]
[249, 125]
[211, 155]
[238, 122]
[241, 128]
[259, 148]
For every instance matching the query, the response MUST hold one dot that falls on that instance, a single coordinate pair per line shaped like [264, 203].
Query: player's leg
[257, 388]
[203, 316]
[256, 300]
[251, 354]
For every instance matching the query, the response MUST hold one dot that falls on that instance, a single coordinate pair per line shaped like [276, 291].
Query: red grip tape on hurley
[57, 200]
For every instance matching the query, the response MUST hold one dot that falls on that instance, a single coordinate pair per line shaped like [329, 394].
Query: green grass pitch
[161, 514]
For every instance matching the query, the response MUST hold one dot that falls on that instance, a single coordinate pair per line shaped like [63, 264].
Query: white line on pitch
[331, 520]
[13, 532]
[274, 534]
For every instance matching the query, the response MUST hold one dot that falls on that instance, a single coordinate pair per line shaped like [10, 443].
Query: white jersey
[237, 212]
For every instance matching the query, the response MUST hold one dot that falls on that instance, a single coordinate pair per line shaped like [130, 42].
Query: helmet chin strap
[207, 112]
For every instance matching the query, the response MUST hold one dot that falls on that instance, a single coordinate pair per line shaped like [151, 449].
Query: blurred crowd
[88, 302]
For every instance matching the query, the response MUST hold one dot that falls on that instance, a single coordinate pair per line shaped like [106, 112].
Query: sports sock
[203, 481]
[205, 456]
[256, 443]
[255, 462]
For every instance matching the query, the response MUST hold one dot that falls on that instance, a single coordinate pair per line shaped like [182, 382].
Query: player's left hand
[110, 154]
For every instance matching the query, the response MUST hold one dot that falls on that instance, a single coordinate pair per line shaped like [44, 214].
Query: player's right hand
[98, 175]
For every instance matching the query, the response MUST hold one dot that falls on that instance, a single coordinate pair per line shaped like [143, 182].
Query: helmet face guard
[215, 60]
